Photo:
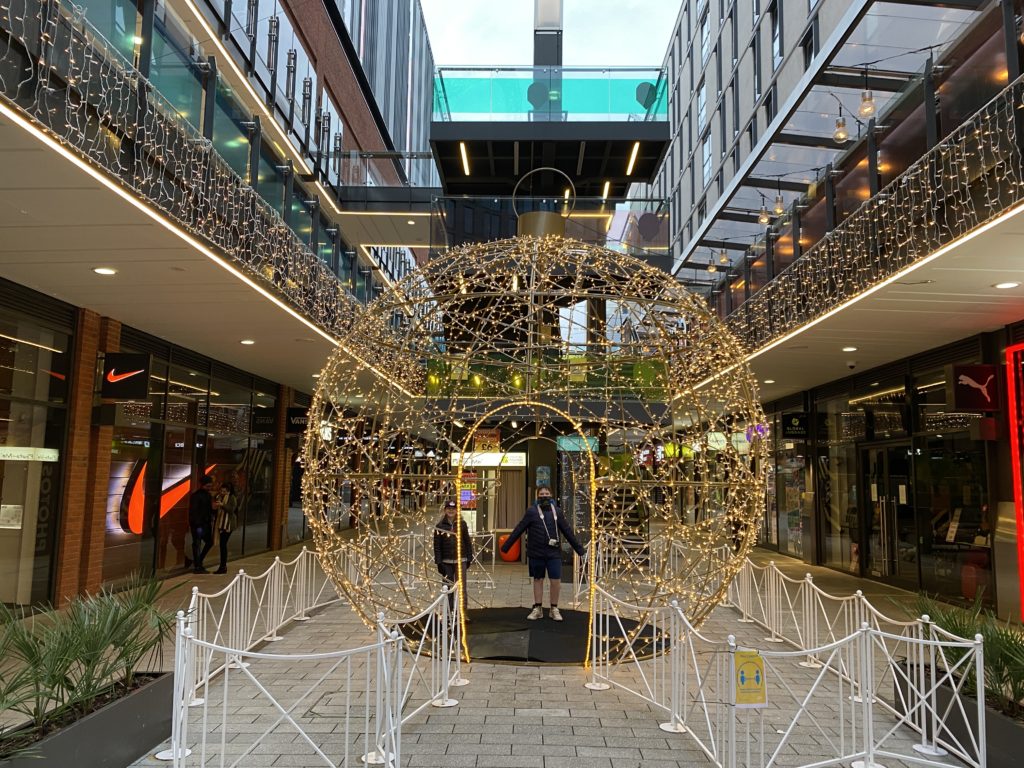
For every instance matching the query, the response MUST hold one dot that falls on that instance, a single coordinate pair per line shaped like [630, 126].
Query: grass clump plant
[59, 665]
[1003, 647]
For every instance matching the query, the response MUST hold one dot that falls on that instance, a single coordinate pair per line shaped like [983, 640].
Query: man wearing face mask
[543, 523]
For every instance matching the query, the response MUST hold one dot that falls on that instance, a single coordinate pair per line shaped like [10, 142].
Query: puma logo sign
[983, 388]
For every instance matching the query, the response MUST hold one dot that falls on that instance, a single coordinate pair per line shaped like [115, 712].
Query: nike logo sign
[136, 493]
[113, 376]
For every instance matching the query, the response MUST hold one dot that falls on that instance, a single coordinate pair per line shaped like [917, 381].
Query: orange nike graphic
[170, 496]
[113, 376]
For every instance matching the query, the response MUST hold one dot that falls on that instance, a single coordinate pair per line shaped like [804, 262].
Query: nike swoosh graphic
[168, 498]
[113, 376]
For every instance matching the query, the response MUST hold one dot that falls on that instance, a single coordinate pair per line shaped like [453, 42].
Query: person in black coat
[452, 564]
[542, 524]
[201, 508]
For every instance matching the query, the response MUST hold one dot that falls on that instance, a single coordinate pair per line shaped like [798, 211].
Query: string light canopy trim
[966, 183]
[87, 102]
[545, 339]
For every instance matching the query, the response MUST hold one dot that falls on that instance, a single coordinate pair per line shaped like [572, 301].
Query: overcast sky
[597, 32]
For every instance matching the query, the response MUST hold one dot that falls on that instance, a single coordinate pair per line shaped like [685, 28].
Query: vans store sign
[296, 420]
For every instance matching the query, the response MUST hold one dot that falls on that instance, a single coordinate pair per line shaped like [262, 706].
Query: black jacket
[445, 544]
[200, 509]
[537, 534]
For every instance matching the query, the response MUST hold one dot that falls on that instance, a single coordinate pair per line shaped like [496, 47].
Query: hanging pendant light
[867, 103]
[723, 257]
[763, 217]
[840, 134]
[780, 205]
[712, 268]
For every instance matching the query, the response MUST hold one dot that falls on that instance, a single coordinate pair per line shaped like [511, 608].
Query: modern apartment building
[843, 179]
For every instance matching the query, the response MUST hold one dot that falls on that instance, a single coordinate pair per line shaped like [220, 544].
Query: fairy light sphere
[535, 339]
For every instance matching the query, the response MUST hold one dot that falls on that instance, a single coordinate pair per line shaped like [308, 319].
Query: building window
[756, 6]
[702, 211]
[706, 163]
[705, 37]
[775, 15]
[702, 105]
[769, 105]
[735, 110]
[809, 48]
[733, 22]
[755, 53]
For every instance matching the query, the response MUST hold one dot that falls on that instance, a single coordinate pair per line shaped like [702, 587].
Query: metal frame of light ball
[481, 331]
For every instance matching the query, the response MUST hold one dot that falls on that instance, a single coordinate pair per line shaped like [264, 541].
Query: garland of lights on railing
[538, 338]
[970, 178]
[75, 88]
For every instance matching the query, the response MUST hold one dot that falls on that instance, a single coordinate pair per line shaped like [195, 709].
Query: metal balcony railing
[61, 73]
[970, 178]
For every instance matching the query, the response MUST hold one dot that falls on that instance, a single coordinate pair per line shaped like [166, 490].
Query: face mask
[544, 502]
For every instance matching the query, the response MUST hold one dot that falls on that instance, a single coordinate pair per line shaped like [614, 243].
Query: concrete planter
[111, 737]
[1003, 735]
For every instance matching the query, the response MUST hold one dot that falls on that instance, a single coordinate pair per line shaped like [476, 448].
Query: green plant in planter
[1004, 652]
[60, 665]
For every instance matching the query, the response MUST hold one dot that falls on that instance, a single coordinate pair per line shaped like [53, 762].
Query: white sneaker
[536, 613]
[556, 615]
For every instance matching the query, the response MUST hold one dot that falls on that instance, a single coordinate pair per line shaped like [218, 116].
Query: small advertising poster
[543, 476]
[467, 492]
[751, 686]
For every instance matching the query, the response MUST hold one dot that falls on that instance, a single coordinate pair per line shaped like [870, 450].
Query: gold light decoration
[595, 347]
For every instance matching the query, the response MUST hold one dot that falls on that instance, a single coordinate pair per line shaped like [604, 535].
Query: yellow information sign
[751, 687]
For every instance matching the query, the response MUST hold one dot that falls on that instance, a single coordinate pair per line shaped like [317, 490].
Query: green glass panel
[230, 140]
[116, 21]
[174, 76]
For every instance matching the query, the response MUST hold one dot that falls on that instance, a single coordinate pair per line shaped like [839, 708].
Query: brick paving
[518, 716]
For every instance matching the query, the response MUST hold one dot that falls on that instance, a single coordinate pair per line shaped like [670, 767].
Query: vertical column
[282, 471]
[830, 198]
[95, 508]
[931, 112]
[76, 455]
[872, 148]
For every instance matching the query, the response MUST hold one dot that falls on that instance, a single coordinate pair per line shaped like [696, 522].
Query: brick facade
[86, 464]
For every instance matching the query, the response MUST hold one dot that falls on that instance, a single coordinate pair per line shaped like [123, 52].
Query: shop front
[200, 418]
[901, 464]
[35, 351]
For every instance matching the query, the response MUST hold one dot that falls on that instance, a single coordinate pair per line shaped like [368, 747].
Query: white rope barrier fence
[863, 686]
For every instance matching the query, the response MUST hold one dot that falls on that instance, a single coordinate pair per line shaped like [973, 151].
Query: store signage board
[974, 387]
[794, 425]
[125, 376]
[487, 440]
[20, 453]
[296, 420]
[263, 420]
[489, 459]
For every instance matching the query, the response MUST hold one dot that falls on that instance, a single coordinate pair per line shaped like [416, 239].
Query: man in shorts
[543, 525]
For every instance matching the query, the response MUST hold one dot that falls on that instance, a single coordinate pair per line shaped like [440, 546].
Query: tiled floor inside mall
[511, 715]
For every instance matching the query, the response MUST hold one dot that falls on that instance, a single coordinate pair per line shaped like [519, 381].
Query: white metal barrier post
[179, 705]
[447, 636]
[677, 653]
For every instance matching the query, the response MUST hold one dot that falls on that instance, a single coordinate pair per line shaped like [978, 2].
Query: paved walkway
[512, 715]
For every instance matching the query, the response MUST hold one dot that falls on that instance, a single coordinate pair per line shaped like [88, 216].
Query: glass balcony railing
[549, 94]
[73, 84]
[967, 180]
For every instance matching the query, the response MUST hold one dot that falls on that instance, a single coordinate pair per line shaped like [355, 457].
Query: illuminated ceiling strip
[403, 214]
[465, 157]
[632, 158]
[214, 38]
[329, 196]
[174, 229]
[31, 343]
[895, 278]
